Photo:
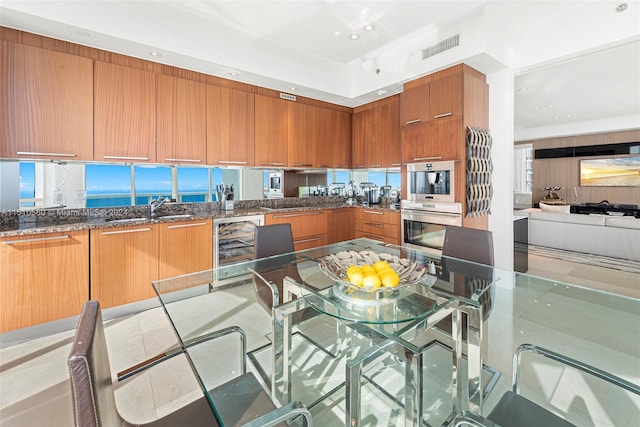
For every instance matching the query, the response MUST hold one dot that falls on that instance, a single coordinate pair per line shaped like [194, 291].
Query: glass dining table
[412, 355]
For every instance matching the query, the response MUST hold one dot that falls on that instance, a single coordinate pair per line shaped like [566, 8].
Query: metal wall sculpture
[479, 169]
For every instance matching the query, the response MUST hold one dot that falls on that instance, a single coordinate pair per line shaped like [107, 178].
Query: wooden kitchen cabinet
[185, 247]
[44, 277]
[445, 97]
[376, 134]
[414, 103]
[125, 114]
[433, 141]
[378, 225]
[309, 228]
[333, 139]
[124, 263]
[230, 126]
[301, 149]
[271, 131]
[181, 121]
[47, 104]
[340, 225]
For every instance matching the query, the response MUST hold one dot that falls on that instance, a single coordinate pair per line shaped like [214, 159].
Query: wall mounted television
[610, 172]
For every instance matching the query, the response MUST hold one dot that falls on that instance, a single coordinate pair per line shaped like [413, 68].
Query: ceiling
[304, 47]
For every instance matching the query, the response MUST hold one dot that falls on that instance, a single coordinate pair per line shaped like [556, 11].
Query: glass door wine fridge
[233, 241]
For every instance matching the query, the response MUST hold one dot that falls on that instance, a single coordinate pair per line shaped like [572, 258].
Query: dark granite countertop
[64, 221]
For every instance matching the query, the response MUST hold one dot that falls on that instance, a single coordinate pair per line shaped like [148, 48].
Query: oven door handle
[443, 218]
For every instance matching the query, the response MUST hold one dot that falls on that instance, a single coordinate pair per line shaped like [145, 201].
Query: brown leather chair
[269, 273]
[242, 401]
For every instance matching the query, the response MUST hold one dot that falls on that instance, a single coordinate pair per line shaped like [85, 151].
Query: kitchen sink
[127, 220]
[182, 216]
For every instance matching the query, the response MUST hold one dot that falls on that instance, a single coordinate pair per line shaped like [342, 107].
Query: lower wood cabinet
[340, 225]
[185, 247]
[124, 262]
[309, 228]
[378, 225]
[44, 277]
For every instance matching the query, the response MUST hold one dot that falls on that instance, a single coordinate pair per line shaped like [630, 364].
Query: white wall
[9, 186]
[501, 101]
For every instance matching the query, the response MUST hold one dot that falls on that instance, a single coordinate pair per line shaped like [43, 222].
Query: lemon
[367, 269]
[371, 281]
[380, 265]
[390, 279]
[353, 269]
[356, 278]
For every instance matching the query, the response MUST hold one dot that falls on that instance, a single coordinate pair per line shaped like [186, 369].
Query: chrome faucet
[155, 204]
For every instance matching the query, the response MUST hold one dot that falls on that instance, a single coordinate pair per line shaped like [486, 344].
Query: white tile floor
[34, 387]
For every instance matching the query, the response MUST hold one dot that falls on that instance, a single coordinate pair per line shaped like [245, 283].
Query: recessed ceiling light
[381, 92]
[621, 7]
[354, 36]
[523, 89]
[293, 88]
[369, 27]
[156, 54]
[234, 74]
[549, 105]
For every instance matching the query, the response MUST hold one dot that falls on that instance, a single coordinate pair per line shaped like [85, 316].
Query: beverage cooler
[233, 242]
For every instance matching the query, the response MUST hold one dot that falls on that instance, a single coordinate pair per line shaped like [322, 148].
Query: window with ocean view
[193, 184]
[108, 185]
[27, 184]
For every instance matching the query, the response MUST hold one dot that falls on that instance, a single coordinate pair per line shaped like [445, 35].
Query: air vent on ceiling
[287, 96]
[441, 46]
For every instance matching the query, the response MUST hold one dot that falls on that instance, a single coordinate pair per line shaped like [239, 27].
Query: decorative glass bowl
[335, 267]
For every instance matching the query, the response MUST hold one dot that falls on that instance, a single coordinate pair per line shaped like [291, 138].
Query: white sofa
[613, 236]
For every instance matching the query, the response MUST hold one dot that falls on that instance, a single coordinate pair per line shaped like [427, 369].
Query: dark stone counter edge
[34, 227]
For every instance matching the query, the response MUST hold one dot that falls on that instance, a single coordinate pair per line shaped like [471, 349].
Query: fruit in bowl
[373, 276]
[368, 271]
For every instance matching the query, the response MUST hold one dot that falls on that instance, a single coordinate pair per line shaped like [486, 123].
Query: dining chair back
[516, 410]
[470, 244]
[239, 401]
[269, 273]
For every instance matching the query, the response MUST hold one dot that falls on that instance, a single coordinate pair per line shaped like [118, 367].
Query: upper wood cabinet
[47, 104]
[433, 141]
[230, 126]
[445, 97]
[376, 134]
[414, 103]
[44, 277]
[272, 128]
[301, 151]
[125, 114]
[181, 121]
[333, 139]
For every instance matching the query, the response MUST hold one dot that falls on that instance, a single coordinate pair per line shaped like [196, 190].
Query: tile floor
[34, 386]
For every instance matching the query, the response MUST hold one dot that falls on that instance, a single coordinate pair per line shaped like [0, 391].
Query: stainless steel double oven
[424, 223]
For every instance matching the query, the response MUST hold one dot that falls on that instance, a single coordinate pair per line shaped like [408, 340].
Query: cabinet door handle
[297, 214]
[375, 166]
[124, 158]
[373, 224]
[427, 158]
[439, 116]
[182, 160]
[396, 164]
[325, 166]
[378, 238]
[412, 122]
[31, 153]
[35, 240]
[195, 224]
[342, 167]
[135, 230]
[313, 239]
[301, 165]
[231, 162]
[271, 164]
[374, 212]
